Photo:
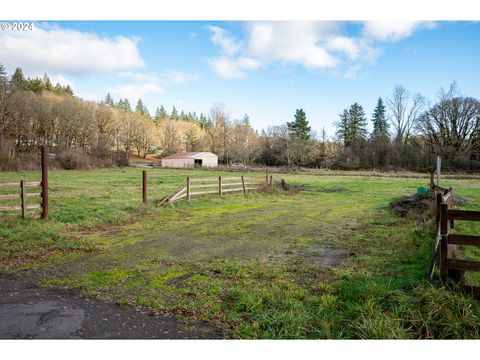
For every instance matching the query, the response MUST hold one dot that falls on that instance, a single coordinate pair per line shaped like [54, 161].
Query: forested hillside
[407, 131]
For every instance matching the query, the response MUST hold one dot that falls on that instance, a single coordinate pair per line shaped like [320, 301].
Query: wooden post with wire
[219, 186]
[44, 182]
[188, 188]
[243, 186]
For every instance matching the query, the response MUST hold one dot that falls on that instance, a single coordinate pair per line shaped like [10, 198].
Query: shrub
[72, 159]
[21, 162]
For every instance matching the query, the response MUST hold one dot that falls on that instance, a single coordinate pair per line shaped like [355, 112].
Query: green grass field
[331, 261]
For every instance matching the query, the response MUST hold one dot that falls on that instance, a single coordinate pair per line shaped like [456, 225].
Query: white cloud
[68, 52]
[393, 30]
[292, 42]
[313, 45]
[147, 83]
[346, 45]
[222, 38]
[230, 68]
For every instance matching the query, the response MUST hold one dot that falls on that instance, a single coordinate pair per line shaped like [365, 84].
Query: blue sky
[263, 69]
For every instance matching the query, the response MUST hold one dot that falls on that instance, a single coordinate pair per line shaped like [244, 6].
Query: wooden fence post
[24, 197]
[144, 188]
[219, 186]
[44, 183]
[188, 188]
[439, 165]
[271, 182]
[443, 243]
[432, 181]
[437, 212]
[243, 185]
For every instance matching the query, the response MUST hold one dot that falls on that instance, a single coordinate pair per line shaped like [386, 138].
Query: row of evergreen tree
[160, 113]
[352, 125]
[18, 81]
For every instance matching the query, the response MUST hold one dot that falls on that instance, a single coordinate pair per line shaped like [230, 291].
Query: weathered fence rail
[220, 186]
[22, 197]
[446, 242]
[450, 266]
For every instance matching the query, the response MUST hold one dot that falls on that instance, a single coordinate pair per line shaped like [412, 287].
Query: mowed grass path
[331, 261]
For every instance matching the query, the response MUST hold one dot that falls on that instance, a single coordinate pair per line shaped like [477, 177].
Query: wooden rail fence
[220, 186]
[446, 242]
[22, 195]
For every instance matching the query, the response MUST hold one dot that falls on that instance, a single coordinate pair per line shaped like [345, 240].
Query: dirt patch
[416, 205]
[325, 257]
[412, 205]
[31, 312]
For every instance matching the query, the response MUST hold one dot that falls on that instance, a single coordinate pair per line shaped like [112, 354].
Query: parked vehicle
[237, 165]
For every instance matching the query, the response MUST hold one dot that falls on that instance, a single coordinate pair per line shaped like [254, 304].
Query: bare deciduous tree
[243, 142]
[452, 124]
[403, 110]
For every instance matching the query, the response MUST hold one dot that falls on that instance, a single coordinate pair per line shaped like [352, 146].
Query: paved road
[30, 312]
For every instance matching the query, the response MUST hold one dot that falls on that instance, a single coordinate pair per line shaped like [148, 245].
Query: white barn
[190, 160]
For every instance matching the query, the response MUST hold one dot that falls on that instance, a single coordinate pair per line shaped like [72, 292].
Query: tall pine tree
[343, 128]
[379, 120]
[109, 101]
[47, 83]
[299, 128]
[142, 109]
[17, 81]
[160, 114]
[357, 122]
[124, 104]
[174, 115]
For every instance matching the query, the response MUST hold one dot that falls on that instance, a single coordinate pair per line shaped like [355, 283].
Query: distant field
[330, 261]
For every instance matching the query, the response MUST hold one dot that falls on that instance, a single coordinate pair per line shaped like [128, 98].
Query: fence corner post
[44, 182]
[443, 259]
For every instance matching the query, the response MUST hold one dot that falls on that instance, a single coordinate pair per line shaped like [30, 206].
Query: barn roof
[190, 155]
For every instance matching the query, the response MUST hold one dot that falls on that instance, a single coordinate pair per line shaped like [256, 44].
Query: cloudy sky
[263, 69]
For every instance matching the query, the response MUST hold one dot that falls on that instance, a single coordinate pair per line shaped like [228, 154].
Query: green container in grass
[422, 191]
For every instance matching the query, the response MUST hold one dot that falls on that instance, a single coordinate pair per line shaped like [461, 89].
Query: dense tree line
[406, 132]
[449, 128]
